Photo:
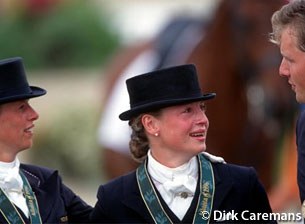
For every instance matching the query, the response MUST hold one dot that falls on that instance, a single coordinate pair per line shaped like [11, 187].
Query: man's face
[16, 126]
[293, 63]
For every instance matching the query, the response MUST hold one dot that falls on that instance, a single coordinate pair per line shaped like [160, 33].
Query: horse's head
[253, 103]
[268, 95]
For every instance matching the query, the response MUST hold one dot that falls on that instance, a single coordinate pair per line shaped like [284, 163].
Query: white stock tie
[12, 184]
[182, 186]
[176, 185]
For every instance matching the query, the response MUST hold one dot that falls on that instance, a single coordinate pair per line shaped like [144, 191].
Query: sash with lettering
[205, 200]
[10, 212]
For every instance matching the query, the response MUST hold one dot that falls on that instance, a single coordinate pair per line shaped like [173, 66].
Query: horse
[255, 113]
[251, 119]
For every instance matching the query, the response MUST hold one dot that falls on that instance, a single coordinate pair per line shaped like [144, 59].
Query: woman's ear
[150, 124]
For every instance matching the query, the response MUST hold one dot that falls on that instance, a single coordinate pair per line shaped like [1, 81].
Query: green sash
[10, 212]
[205, 200]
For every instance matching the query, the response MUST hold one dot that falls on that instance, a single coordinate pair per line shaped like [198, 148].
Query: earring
[156, 134]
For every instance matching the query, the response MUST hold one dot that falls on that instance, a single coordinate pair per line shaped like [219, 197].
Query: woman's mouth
[198, 135]
[29, 129]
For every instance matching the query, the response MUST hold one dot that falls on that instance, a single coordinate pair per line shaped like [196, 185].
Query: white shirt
[11, 183]
[171, 182]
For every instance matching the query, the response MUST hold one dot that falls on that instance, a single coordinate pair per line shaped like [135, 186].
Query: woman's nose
[33, 114]
[202, 117]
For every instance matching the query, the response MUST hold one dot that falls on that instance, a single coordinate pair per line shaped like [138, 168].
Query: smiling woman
[176, 180]
[28, 192]
[181, 131]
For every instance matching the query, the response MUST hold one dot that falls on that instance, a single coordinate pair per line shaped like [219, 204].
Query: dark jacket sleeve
[300, 139]
[78, 211]
[99, 214]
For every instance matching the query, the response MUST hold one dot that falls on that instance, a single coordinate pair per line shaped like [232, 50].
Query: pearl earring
[156, 134]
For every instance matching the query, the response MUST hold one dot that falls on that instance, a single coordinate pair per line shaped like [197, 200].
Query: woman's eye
[21, 107]
[203, 107]
[187, 110]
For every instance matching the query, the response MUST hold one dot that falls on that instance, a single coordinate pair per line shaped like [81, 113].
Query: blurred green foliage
[68, 144]
[71, 34]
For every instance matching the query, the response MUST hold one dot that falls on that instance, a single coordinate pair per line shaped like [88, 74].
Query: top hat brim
[127, 115]
[35, 92]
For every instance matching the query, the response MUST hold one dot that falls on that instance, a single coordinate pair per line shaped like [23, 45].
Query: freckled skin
[182, 133]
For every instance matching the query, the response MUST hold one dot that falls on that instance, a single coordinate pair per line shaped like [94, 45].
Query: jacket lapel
[223, 186]
[45, 192]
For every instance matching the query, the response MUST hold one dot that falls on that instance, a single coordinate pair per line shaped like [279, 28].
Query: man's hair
[292, 16]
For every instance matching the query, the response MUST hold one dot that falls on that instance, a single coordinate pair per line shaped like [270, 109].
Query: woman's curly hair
[139, 143]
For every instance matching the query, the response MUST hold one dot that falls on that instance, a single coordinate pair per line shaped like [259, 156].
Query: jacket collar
[44, 191]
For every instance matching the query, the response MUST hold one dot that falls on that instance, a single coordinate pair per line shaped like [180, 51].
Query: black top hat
[13, 82]
[163, 88]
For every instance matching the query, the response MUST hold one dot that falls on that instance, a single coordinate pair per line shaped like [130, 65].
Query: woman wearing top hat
[28, 193]
[176, 182]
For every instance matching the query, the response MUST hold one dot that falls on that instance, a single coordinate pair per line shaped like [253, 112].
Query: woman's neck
[169, 159]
